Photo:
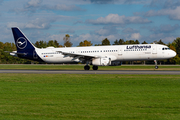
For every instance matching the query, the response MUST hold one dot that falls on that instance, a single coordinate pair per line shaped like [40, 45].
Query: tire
[95, 67]
[86, 67]
[156, 67]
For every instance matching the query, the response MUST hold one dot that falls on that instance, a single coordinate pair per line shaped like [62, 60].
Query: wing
[78, 56]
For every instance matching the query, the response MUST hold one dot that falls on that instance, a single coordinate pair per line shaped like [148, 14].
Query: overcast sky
[92, 20]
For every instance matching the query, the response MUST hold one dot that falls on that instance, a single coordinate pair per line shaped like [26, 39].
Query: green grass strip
[86, 96]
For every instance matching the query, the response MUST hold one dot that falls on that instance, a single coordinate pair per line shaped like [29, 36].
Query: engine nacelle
[101, 61]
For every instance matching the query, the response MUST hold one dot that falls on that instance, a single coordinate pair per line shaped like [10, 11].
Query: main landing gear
[95, 67]
[156, 66]
[87, 67]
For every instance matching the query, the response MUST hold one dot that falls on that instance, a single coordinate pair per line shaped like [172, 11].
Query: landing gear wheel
[156, 67]
[86, 67]
[95, 67]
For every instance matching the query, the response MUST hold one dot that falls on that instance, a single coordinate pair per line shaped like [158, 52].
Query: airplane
[92, 55]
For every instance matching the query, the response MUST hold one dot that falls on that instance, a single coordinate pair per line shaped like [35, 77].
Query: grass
[86, 96]
[81, 67]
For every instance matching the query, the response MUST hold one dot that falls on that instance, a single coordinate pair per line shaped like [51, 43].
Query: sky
[92, 20]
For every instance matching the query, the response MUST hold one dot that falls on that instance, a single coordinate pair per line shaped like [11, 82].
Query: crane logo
[21, 43]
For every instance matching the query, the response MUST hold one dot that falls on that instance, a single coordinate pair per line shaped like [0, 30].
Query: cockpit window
[165, 48]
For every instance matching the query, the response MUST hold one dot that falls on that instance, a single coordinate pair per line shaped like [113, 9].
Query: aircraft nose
[173, 53]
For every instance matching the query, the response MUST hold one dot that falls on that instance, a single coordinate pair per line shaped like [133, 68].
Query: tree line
[5, 58]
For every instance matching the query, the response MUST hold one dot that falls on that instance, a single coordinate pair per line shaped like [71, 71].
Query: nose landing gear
[156, 66]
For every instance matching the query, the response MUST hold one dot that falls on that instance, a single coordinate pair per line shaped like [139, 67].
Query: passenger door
[120, 53]
[154, 49]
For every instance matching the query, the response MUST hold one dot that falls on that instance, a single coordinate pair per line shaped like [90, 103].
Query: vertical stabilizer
[25, 49]
[21, 41]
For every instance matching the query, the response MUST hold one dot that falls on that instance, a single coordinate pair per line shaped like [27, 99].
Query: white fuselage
[114, 52]
[95, 55]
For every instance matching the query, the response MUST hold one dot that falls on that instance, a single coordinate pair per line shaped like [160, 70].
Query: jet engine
[101, 61]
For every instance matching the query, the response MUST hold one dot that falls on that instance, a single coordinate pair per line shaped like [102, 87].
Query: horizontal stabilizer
[15, 53]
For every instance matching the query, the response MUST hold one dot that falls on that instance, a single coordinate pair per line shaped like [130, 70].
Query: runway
[93, 72]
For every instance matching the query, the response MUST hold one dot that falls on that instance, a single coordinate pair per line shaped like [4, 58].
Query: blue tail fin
[25, 49]
[21, 41]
